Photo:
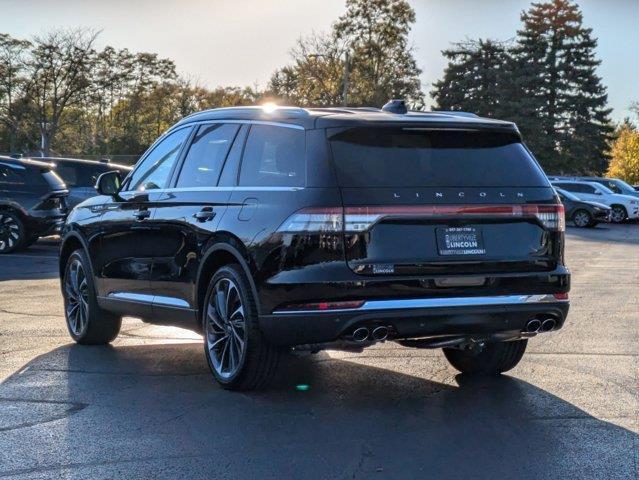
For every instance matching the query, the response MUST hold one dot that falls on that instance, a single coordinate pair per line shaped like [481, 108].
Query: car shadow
[153, 411]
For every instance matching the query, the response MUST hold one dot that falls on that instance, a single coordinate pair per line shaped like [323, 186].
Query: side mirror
[109, 183]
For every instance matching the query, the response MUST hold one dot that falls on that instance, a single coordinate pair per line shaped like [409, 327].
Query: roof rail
[282, 111]
[456, 113]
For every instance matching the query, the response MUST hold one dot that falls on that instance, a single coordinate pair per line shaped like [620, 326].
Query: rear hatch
[442, 201]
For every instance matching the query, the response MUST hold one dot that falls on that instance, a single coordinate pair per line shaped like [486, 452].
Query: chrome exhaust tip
[533, 325]
[548, 325]
[360, 334]
[380, 333]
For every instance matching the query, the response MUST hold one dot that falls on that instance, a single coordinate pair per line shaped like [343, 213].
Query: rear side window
[70, 174]
[11, 177]
[206, 155]
[274, 157]
[413, 157]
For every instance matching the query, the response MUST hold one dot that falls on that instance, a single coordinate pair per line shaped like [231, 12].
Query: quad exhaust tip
[533, 325]
[541, 325]
[380, 333]
[360, 334]
[548, 324]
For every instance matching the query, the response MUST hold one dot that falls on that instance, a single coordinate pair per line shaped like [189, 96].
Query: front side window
[571, 187]
[274, 157]
[154, 171]
[206, 155]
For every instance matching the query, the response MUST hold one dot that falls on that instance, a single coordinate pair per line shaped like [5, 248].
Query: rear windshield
[405, 157]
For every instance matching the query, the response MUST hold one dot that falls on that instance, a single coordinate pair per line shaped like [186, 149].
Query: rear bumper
[413, 318]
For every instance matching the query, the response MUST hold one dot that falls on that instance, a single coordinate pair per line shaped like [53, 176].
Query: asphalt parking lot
[146, 407]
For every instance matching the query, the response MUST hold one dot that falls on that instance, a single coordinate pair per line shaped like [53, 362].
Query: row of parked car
[589, 201]
[36, 195]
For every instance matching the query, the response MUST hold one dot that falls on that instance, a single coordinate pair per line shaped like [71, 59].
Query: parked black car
[583, 214]
[32, 202]
[80, 176]
[324, 228]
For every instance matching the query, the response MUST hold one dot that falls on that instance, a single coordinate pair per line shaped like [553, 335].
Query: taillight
[361, 219]
[51, 203]
[314, 220]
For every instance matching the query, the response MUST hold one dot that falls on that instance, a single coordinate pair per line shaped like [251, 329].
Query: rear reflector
[560, 296]
[361, 219]
[321, 306]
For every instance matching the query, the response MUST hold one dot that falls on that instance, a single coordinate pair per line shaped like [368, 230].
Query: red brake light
[360, 219]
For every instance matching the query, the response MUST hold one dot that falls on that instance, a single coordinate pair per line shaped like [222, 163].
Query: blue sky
[241, 42]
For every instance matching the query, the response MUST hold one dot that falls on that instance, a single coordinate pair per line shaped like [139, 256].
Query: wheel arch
[69, 244]
[622, 206]
[17, 209]
[223, 250]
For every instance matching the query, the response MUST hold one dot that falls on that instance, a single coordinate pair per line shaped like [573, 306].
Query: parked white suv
[623, 206]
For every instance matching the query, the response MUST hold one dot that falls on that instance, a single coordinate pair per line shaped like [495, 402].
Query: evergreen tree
[475, 79]
[557, 99]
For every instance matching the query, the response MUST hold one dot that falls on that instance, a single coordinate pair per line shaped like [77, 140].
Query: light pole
[345, 79]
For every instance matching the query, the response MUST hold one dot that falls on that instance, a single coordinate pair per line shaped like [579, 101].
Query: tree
[475, 79]
[375, 33]
[624, 155]
[364, 61]
[13, 109]
[59, 79]
[316, 78]
[557, 99]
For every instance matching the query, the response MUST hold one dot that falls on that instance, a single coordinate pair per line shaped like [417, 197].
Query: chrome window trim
[417, 303]
[229, 189]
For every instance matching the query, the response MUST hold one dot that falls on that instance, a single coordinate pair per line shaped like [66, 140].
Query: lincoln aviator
[284, 230]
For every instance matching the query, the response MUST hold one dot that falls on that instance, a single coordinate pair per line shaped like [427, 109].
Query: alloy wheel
[618, 214]
[581, 219]
[77, 296]
[9, 232]
[226, 328]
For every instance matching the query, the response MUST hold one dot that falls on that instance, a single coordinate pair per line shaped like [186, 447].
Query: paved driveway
[146, 407]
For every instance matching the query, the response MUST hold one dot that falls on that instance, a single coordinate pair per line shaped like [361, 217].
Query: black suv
[80, 176]
[308, 229]
[32, 202]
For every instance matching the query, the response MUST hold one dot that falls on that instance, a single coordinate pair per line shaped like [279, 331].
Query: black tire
[88, 324]
[12, 232]
[618, 214]
[257, 361]
[493, 359]
[582, 218]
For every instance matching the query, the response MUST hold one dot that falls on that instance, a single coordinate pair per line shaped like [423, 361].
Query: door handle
[204, 215]
[142, 214]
